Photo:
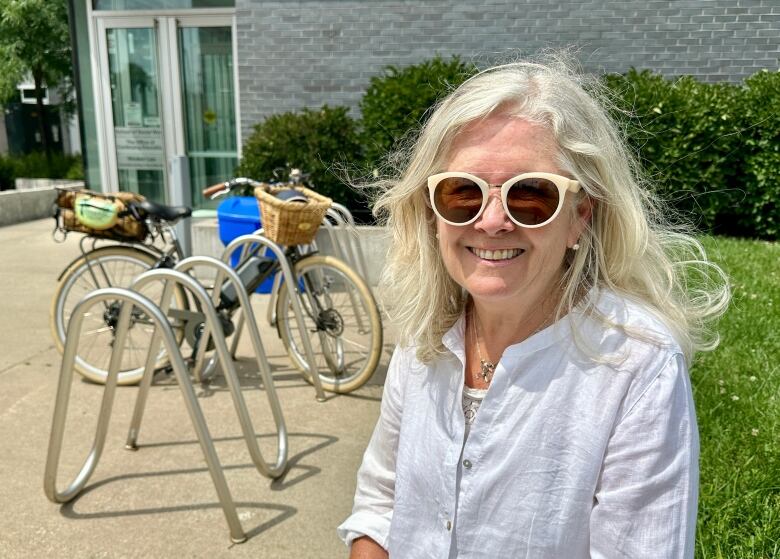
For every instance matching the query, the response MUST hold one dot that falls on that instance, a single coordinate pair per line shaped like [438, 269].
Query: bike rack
[257, 238]
[162, 333]
[214, 329]
[335, 231]
[359, 261]
[347, 256]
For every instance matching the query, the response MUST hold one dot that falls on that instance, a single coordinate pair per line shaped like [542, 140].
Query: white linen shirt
[567, 457]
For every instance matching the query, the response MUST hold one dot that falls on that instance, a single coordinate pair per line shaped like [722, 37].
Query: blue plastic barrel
[236, 216]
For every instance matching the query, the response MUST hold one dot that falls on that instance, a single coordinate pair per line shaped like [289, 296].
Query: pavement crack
[25, 360]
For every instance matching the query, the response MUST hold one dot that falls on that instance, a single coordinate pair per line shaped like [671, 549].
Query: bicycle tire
[347, 355]
[121, 264]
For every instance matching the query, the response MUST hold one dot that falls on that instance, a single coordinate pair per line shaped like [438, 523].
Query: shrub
[686, 134]
[6, 173]
[76, 170]
[399, 100]
[711, 149]
[760, 140]
[314, 141]
[35, 166]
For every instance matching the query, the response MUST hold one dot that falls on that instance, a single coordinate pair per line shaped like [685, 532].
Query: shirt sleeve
[375, 494]
[646, 498]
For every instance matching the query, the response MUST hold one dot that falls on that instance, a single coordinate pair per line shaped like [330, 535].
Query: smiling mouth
[496, 255]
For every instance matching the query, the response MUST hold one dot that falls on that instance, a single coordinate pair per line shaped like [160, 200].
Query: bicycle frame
[166, 257]
[285, 260]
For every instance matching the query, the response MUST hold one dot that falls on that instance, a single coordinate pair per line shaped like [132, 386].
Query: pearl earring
[575, 246]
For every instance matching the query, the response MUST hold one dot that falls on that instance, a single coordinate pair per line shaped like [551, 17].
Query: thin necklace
[486, 368]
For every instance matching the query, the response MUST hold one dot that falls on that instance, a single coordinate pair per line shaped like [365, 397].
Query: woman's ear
[585, 209]
[580, 220]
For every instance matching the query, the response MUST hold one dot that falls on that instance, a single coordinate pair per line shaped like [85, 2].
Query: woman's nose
[494, 219]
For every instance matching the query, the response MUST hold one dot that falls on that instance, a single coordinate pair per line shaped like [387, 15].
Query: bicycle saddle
[163, 212]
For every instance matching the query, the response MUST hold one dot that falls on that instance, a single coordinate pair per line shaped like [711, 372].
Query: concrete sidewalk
[160, 501]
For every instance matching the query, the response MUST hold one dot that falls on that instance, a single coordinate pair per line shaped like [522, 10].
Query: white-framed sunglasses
[530, 200]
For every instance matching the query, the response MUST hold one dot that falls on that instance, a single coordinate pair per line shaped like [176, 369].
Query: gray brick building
[181, 82]
[307, 53]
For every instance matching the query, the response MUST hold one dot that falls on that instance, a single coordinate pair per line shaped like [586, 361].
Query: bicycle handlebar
[216, 190]
[222, 188]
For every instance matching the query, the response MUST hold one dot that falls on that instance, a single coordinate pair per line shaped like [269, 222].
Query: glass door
[208, 103]
[168, 90]
[134, 81]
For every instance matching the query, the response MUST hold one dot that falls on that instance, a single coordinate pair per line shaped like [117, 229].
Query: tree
[34, 41]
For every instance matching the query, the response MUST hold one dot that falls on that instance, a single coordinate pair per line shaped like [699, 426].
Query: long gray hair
[629, 247]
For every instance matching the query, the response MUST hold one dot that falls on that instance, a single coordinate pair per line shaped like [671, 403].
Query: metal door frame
[166, 24]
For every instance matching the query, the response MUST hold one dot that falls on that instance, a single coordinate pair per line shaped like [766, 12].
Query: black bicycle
[341, 315]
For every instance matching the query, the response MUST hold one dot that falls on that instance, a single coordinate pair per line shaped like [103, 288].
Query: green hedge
[36, 166]
[759, 106]
[397, 101]
[7, 174]
[711, 148]
[322, 141]
[318, 142]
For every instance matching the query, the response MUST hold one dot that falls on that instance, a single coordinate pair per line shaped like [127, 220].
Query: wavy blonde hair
[629, 246]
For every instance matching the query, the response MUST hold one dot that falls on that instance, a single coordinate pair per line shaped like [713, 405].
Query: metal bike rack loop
[164, 333]
[257, 238]
[354, 239]
[347, 230]
[213, 327]
[335, 231]
[348, 257]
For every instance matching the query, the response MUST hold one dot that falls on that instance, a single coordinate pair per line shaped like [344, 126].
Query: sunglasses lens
[532, 201]
[457, 199]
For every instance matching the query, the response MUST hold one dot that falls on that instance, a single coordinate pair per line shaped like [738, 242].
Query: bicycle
[116, 265]
[338, 305]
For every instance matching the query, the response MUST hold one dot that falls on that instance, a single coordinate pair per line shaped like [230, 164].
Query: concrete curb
[17, 206]
[374, 243]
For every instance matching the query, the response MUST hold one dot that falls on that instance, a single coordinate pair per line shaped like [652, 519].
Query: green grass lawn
[737, 393]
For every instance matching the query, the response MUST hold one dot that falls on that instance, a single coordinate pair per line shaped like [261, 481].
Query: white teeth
[504, 254]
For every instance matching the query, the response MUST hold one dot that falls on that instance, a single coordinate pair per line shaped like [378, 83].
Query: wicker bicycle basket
[290, 222]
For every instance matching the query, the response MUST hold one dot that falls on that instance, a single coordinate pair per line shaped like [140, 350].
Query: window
[160, 4]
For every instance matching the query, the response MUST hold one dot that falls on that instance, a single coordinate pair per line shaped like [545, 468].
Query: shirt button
[449, 525]
[467, 464]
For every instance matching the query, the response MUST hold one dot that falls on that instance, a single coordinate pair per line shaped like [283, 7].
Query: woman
[539, 403]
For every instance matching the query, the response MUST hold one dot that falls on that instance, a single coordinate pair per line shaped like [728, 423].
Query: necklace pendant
[486, 370]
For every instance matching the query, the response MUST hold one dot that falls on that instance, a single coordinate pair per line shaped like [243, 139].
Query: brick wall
[306, 53]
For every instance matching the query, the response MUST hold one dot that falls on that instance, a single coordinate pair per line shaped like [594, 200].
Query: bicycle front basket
[291, 222]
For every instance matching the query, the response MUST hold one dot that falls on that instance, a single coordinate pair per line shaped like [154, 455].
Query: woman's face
[496, 150]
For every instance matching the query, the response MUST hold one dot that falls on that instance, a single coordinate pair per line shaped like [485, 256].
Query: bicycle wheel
[338, 307]
[113, 266]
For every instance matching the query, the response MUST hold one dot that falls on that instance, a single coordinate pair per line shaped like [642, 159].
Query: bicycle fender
[81, 256]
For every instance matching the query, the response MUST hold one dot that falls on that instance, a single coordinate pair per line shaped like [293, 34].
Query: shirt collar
[454, 339]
